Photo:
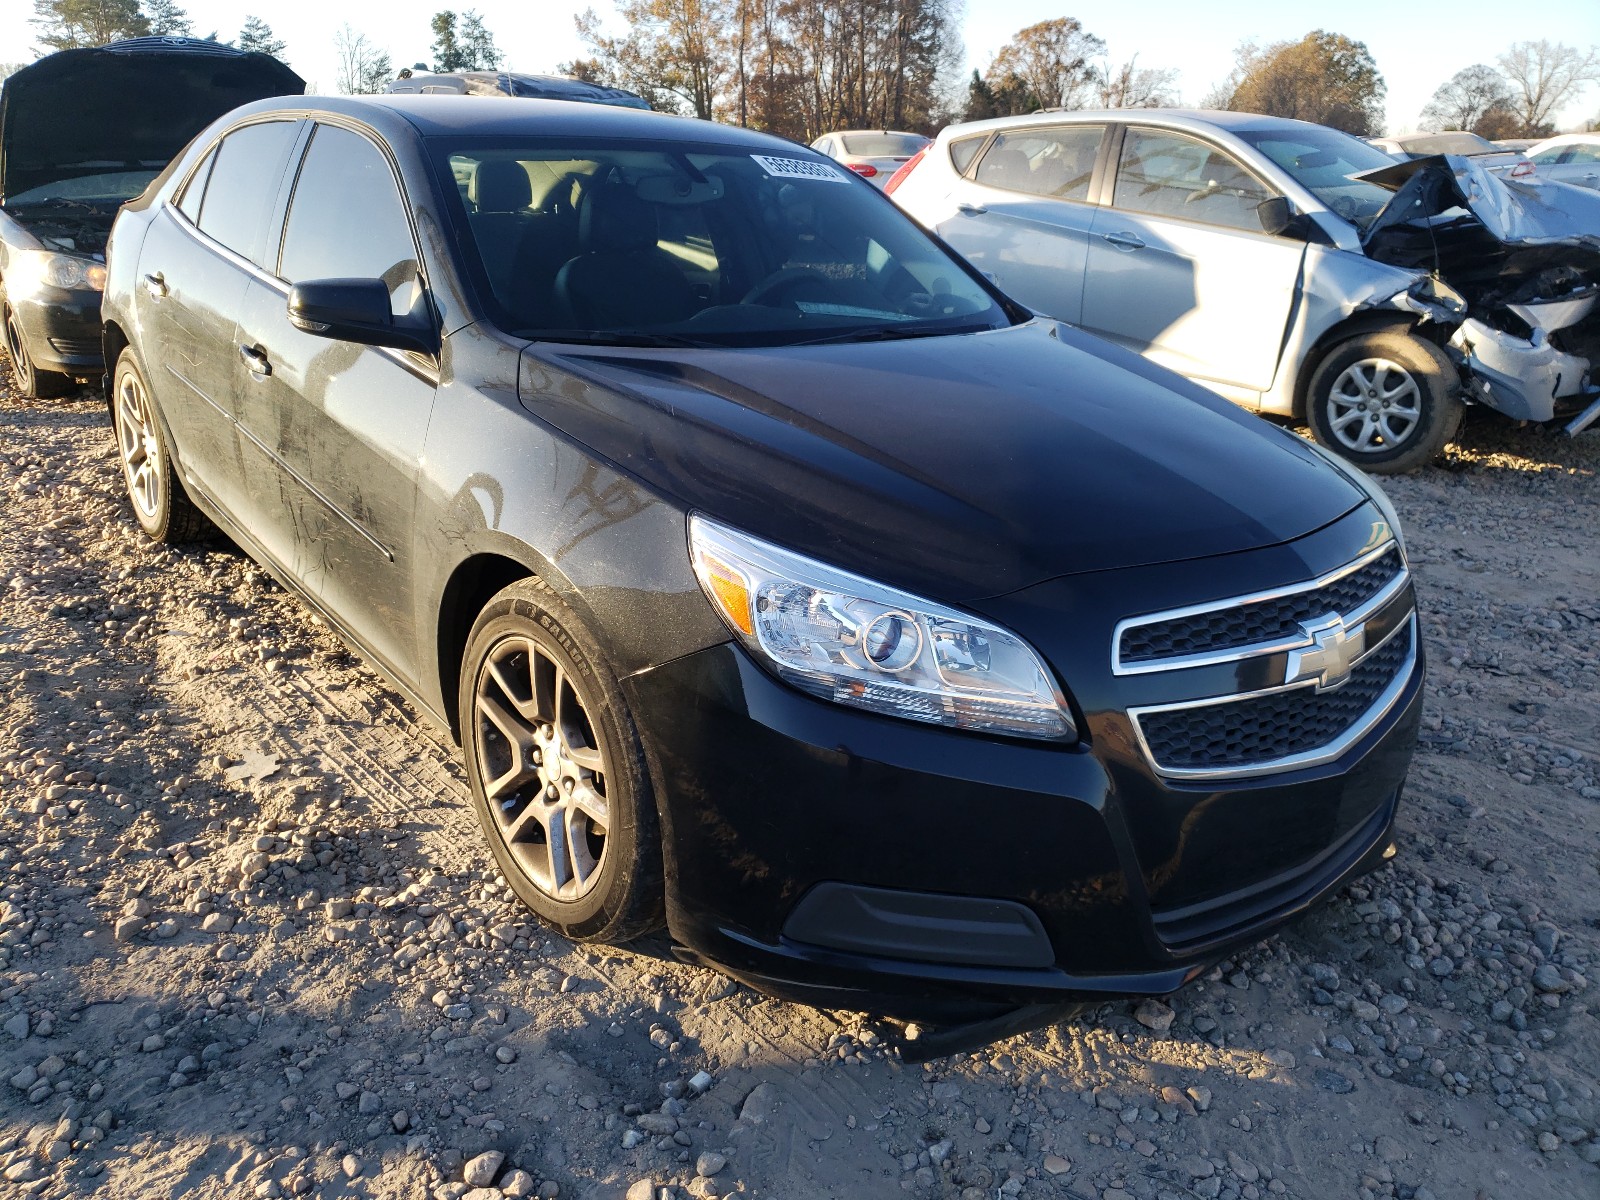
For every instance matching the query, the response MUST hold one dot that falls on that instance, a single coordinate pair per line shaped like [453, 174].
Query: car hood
[126, 106]
[959, 467]
[1516, 212]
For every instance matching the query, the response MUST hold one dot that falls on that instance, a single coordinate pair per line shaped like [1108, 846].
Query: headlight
[1368, 485]
[31, 271]
[852, 641]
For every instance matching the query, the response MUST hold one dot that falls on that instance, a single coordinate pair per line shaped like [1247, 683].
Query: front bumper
[1527, 380]
[61, 331]
[770, 798]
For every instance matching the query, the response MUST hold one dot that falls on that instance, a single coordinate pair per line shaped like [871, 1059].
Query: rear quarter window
[963, 152]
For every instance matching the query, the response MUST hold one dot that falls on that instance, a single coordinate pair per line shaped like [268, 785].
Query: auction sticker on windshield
[798, 168]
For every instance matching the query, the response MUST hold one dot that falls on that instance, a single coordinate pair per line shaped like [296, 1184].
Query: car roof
[1198, 119]
[432, 116]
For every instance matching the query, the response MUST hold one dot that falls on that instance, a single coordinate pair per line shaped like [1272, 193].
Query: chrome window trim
[1211, 658]
[1307, 758]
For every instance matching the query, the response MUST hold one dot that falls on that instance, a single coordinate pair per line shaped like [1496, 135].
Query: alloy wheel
[544, 770]
[139, 445]
[1375, 404]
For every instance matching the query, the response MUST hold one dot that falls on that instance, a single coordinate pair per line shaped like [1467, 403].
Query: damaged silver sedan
[1294, 269]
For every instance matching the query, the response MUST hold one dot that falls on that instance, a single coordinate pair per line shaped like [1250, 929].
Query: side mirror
[1275, 214]
[356, 310]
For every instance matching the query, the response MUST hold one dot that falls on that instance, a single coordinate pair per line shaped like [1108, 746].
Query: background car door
[1024, 218]
[194, 266]
[1577, 164]
[334, 430]
[1180, 268]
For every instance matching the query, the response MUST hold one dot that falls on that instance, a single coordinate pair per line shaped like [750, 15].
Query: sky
[1417, 46]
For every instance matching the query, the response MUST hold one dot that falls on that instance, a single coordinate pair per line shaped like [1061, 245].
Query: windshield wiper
[891, 333]
[619, 337]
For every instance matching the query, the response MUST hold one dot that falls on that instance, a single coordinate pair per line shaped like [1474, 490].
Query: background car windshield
[113, 187]
[883, 145]
[1322, 161]
[1450, 143]
[627, 241]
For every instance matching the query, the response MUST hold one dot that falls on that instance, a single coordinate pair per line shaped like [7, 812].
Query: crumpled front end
[1524, 257]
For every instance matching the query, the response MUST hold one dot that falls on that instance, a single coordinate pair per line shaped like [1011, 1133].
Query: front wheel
[33, 382]
[1388, 402]
[556, 770]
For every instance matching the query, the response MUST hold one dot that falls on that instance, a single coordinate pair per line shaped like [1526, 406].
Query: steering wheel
[784, 287]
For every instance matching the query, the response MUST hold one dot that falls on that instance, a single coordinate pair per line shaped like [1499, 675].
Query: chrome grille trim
[1375, 713]
[1257, 649]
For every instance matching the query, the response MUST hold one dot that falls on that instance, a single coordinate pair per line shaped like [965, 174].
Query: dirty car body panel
[1071, 491]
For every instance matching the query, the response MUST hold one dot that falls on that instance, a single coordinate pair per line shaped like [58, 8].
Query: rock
[658, 1124]
[1153, 1014]
[517, 1184]
[217, 923]
[1280, 1058]
[25, 1079]
[1389, 1150]
[505, 1054]
[1331, 1081]
[482, 1193]
[1201, 1097]
[1546, 978]
[153, 1043]
[700, 1083]
[350, 1165]
[1549, 1142]
[709, 1163]
[1246, 1171]
[1196, 1167]
[642, 1189]
[1056, 1165]
[369, 1103]
[401, 1121]
[480, 1171]
[17, 1026]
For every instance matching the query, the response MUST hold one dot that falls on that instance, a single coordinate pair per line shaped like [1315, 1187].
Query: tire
[31, 381]
[575, 832]
[1415, 386]
[160, 505]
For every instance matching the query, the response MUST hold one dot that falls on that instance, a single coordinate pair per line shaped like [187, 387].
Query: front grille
[75, 347]
[1256, 730]
[1242, 625]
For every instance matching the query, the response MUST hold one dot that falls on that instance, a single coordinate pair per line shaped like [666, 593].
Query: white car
[1569, 158]
[873, 154]
[1454, 141]
[1292, 268]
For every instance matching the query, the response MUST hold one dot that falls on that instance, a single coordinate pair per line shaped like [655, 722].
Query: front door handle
[1124, 241]
[156, 285]
[256, 359]
[971, 209]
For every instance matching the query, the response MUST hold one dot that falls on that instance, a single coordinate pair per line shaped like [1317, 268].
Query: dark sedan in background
[779, 577]
[80, 132]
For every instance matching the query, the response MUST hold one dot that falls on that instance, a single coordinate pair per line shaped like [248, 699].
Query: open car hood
[1525, 212]
[128, 106]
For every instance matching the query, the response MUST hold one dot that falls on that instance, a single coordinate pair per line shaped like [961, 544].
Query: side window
[244, 186]
[1172, 175]
[1582, 154]
[347, 220]
[1548, 158]
[194, 191]
[963, 152]
[1058, 163]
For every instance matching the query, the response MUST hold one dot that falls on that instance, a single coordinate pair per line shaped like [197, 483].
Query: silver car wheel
[139, 445]
[1375, 404]
[544, 773]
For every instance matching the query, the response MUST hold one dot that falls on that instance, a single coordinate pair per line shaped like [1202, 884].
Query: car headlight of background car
[32, 271]
[850, 640]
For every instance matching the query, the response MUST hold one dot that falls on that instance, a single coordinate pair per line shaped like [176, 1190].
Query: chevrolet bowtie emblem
[1333, 651]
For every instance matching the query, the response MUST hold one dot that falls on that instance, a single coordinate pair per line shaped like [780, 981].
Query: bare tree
[363, 68]
[1466, 98]
[1129, 85]
[1544, 77]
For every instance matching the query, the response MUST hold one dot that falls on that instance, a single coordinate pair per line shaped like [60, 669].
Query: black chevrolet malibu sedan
[779, 577]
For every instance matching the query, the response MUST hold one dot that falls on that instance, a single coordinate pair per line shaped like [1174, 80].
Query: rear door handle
[256, 359]
[156, 285]
[1124, 241]
[971, 209]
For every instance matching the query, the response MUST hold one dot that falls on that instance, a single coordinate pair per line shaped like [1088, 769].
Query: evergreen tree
[257, 35]
[72, 24]
[167, 19]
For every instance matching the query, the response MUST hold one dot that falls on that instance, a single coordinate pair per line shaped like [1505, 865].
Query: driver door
[1181, 270]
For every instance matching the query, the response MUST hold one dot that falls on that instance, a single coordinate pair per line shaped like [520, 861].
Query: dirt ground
[251, 943]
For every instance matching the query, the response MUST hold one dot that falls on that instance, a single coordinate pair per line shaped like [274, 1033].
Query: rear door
[334, 430]
[195, 263]
[1023, 216]
[1575, 164]
[1180, 268]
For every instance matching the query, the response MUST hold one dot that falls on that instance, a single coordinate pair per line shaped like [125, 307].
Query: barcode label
[798, 168]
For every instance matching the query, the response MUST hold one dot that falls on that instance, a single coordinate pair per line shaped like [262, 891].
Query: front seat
[502, 193]
[620, 278]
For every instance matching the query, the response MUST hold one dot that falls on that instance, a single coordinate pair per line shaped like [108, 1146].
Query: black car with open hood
[81, 132]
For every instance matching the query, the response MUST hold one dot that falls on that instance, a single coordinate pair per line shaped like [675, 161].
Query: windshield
[1322, 161]
[111, 188]
[633, 242]
[883, 145]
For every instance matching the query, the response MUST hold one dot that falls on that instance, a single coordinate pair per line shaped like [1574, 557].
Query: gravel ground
[251, 944]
